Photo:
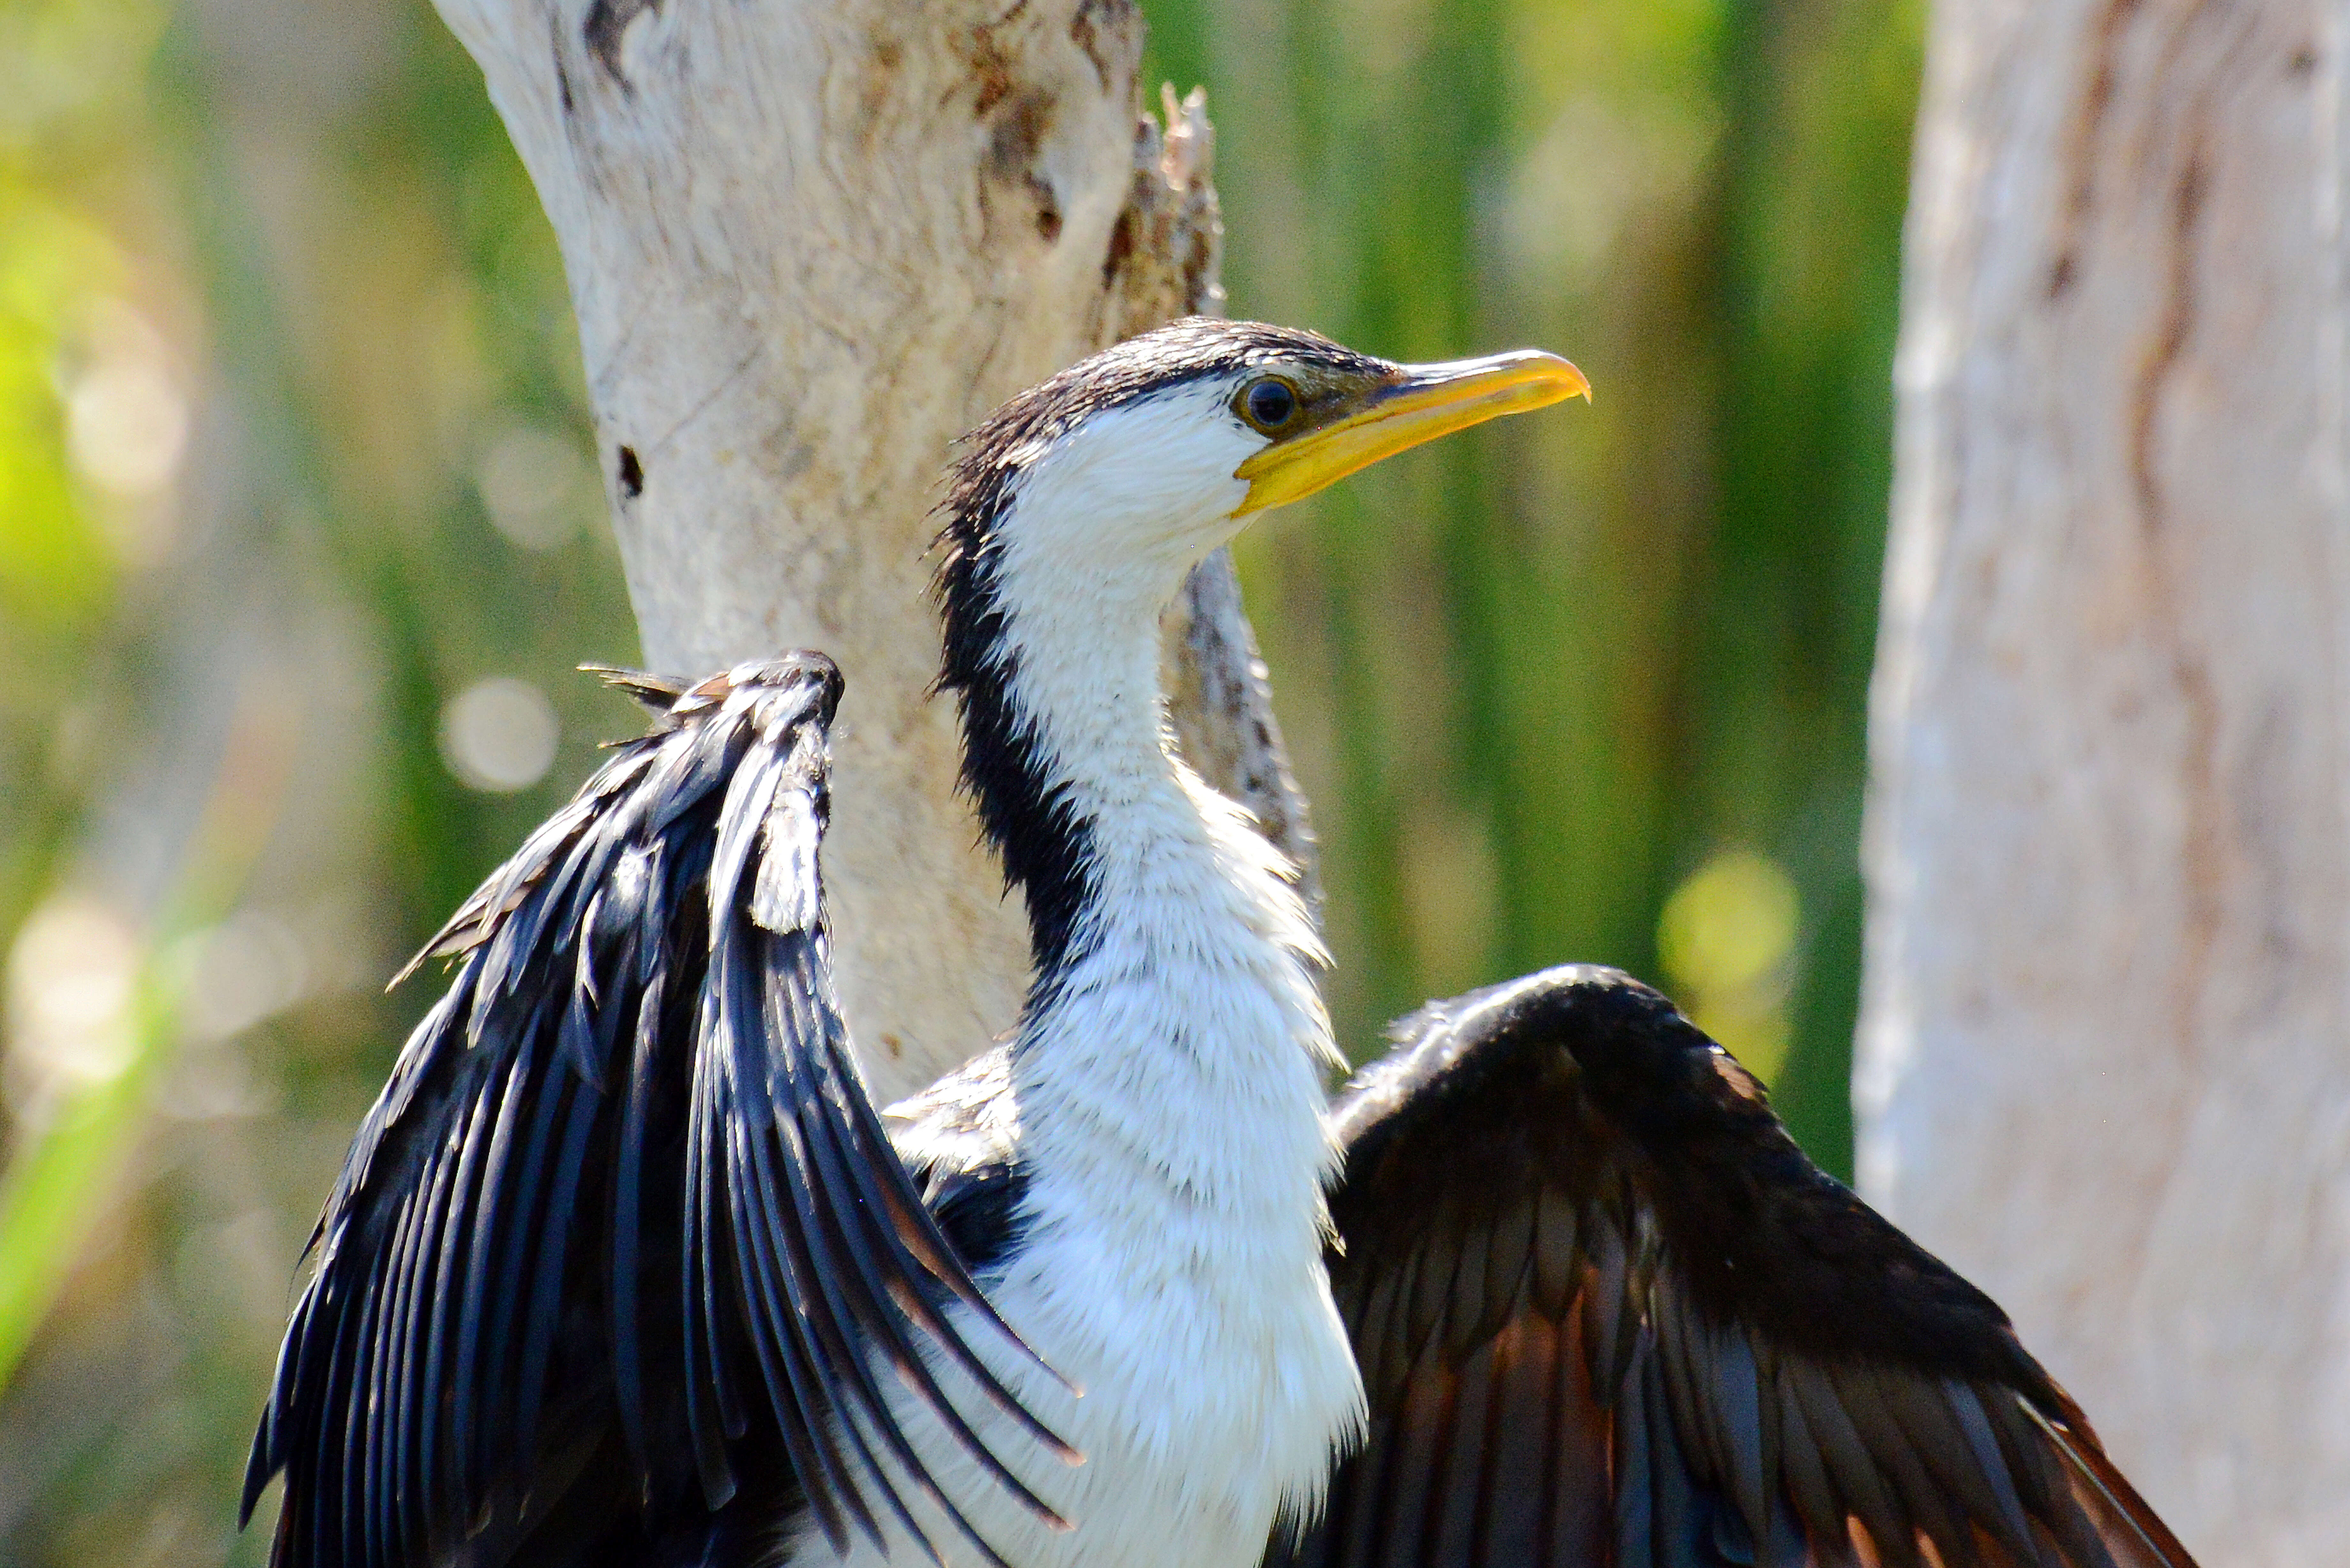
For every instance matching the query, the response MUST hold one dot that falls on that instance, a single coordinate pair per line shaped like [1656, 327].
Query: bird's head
[1095, 491]
[1073, 513]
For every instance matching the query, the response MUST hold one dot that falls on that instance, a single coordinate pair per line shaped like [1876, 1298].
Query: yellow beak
[1432, 401]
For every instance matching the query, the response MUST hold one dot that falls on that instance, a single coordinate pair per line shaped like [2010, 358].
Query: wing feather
[1607, 1313]
[622, 1233]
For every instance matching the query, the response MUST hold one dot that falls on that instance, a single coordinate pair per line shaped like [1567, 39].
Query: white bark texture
[810, 243]
[2105, 1037]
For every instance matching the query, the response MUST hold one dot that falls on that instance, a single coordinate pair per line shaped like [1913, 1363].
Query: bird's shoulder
[961, 1141]
[1585, 1079]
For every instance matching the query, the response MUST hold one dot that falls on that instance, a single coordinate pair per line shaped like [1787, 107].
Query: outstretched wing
[623, 1232]
[1608, 1313]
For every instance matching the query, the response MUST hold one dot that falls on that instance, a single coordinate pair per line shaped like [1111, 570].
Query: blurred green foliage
[293, 449]
[1541, 676]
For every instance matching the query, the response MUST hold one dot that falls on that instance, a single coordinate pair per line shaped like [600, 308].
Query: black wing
[623, 1234]
[1608, 1313]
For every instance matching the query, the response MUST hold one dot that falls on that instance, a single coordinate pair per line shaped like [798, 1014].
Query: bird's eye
[1268, 403]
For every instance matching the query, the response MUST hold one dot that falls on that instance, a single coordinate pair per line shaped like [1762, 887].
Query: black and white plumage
[624, 1269]
[623, 1204]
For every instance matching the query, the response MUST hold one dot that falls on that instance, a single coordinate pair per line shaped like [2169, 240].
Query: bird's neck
[1111, 836]
[1166, 1077]
[1094, 713]
[1170, 1066]
[1175, 979]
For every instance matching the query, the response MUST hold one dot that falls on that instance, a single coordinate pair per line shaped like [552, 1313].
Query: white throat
[1105, 526]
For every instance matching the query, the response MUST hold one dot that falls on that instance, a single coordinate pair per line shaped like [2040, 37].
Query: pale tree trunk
[2106, 1043]
[810, 243]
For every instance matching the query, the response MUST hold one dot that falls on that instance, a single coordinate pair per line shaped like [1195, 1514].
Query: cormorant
[624, 1269]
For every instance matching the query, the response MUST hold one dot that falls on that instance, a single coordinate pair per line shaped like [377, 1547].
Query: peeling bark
[2105, 1042]
[810, 244]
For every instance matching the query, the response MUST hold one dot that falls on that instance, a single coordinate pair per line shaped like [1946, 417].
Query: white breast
[1170, 1118]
